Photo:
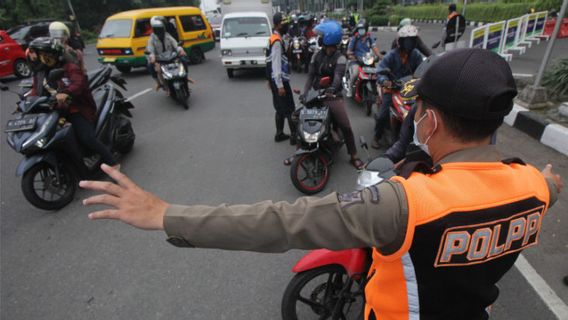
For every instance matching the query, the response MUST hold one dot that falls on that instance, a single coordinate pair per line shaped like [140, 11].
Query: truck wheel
[196, 55]
[230, 73]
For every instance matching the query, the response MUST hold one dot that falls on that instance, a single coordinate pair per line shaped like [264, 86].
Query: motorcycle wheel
[326, 292]
[182, 96]
[309, 173]
[40, 187]
[123, 135]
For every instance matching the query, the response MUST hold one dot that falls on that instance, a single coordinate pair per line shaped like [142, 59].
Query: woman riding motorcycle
[159, 42]
[329, 62]
[74, 99]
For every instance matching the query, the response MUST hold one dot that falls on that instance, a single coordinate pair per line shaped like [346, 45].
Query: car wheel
[22, 69]
[230, 73]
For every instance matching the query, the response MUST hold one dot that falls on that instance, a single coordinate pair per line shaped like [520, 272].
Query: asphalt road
[60, 265]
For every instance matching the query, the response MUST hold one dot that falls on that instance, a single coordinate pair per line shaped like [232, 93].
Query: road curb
[546, 132]
[382, 28]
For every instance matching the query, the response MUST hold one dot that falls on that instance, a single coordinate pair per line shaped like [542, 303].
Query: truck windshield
[245, 27]
[116, 29]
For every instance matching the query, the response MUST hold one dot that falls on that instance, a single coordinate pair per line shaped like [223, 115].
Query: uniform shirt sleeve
[150, 46]
[375, 217]
[276, 58]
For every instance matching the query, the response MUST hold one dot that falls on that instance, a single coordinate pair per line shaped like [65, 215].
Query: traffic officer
[441, 238]
[278, 75]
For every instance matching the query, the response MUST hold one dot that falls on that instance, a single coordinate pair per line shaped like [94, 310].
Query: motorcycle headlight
[311, 137]
[226, 52]
[368, 60]
[296, 45]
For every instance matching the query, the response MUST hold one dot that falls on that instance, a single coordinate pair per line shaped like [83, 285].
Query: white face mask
[361, 32]
[415, 140]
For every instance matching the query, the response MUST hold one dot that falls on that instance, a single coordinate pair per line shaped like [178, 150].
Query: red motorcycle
[330, 284]
[400, 105]
[364, 87]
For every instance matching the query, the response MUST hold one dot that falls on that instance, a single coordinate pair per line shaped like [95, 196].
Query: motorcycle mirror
[325, 82]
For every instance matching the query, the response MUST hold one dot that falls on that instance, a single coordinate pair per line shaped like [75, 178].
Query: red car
[12, 58]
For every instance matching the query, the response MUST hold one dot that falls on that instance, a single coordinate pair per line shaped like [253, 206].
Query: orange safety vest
[285, 68]
[467, 224]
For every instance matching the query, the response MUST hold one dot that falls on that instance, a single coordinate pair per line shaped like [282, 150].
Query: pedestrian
[278, 75]
[441, 239]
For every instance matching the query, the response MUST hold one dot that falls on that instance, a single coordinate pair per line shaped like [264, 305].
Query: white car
[244, 40]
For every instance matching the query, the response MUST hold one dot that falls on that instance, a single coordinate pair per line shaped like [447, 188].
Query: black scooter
[54, 160]
[319, 141]
[173, 76]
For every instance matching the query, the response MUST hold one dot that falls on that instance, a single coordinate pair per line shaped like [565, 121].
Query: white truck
[245, 30]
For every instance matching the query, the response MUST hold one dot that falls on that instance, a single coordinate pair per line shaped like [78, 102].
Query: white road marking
[550, 298]
[139, 94]
[523, 75]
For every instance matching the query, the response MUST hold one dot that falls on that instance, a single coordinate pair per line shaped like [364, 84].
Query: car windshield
[245, 27]
[19, 33]
[116, 29]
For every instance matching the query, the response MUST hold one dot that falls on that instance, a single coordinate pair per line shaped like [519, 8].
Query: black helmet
[43, 44]
[49, 51]
[452, 7]
[363, 24]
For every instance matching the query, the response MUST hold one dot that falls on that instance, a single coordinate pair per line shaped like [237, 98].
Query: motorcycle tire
[312, 305]
[47, 177]
[196, 56]
[320, 173]
[182, 95]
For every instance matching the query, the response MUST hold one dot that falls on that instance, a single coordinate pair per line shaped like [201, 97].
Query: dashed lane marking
[143, 92]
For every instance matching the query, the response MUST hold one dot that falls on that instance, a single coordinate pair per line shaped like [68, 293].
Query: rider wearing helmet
[74, 99]
[161, 41]
[361, 43]
[59, 32]
[419, 43]
[402, 61]
[295, 30]
[329, 62]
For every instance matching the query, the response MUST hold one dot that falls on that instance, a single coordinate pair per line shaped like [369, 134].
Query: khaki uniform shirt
[375, 217]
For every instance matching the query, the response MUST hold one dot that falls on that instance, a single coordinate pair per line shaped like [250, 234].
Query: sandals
[288, 161]
[357, 163]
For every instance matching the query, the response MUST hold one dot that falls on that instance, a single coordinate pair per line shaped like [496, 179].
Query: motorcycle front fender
[354, 261]
[29, 162]
[301, 151]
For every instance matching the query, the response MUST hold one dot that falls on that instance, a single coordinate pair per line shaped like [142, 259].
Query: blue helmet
[330, 31]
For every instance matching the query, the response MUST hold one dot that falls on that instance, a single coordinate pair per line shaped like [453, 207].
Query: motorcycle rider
[402, 61]
[159, 42]
[329, 62]
[60, 32]
[278, 74]
[420, 45]
[361, 43]
[74, 99]
[441, 239]
[308, 31]
[295, 30]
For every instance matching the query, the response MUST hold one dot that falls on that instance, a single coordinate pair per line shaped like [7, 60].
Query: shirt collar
[485, 153]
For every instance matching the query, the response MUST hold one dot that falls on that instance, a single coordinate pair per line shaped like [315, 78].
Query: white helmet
[157, 22]
[58, 30]
[408, 31]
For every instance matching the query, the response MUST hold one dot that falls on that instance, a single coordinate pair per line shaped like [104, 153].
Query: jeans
[382, 117]
[85, 133]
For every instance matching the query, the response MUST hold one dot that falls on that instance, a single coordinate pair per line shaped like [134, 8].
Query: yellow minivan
[124, 36]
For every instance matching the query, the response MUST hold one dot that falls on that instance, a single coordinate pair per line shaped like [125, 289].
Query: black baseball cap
[469, 83]
[277, 18]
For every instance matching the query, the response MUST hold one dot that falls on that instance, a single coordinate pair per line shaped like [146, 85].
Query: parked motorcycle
[173, 77]
[364, 88]
[54, 161]
[400, 106]
[331, 284]
[318, 139]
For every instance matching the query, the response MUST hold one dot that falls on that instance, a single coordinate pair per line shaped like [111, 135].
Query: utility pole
[74, 15]
[535, 96]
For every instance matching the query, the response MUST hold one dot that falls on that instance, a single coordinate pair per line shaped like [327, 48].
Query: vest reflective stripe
[285, 67]
[466, 226]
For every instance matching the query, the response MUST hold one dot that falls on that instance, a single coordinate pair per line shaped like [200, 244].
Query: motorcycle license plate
[21, 124]
[297, 51]
[369, 70]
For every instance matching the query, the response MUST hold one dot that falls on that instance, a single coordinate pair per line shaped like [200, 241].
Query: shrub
[379, 20]
[394, 20]
[556, 78]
